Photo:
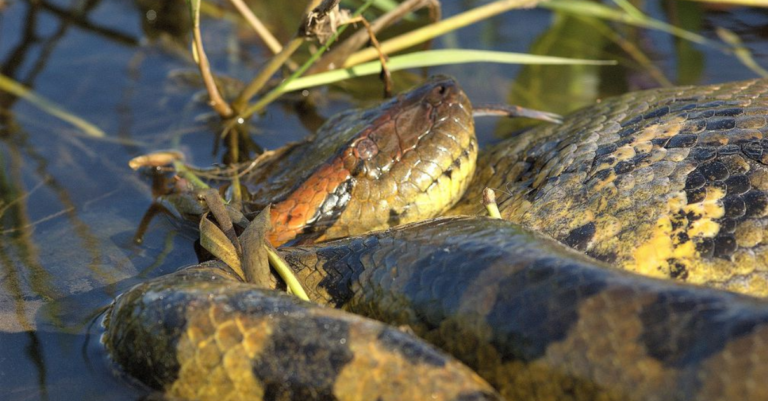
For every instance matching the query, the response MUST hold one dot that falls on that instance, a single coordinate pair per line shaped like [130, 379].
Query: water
[69, 205]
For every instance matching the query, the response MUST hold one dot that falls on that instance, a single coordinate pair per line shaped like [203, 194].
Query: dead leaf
[156, 159]
[255, 258]
[216, 242]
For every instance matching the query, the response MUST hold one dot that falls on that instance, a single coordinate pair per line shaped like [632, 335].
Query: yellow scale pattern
[668, 183]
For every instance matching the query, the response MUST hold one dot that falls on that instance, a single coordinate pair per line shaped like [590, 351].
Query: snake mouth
[421, 142]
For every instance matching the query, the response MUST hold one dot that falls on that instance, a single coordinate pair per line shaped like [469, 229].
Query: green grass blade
[285, 272]
[432, 58]
[194, 10]
[741, 52]
[9, 85]
[280, 89]
[438, 28]
[382, 5]
[629, 8]
[588, 8]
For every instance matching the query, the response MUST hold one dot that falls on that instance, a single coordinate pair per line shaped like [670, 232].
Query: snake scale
[666, 183]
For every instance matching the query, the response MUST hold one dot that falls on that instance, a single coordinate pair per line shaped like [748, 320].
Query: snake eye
[365, 149]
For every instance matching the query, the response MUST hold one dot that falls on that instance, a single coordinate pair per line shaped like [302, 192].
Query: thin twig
[36, 222]
[385, 75]
[272, 66]
[276, 92]
[9, 85]
[215, 99]
[266, 73]
[333, 58]
[264, 33]
[513, 111]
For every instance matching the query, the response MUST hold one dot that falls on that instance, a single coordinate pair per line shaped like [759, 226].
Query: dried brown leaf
[156, 159]
[255, 258]
[216, 242]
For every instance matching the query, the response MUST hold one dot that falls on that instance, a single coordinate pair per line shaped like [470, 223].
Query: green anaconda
[405, 160]
[667, 182]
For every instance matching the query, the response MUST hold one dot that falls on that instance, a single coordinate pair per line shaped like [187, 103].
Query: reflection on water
[69, 205]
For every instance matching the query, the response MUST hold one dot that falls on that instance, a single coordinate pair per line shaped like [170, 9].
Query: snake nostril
[437, 94]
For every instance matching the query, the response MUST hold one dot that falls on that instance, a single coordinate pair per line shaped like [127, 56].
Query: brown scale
[668, 183]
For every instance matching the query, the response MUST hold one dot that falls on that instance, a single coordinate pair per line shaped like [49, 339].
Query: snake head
[407, 159]
[403, 123]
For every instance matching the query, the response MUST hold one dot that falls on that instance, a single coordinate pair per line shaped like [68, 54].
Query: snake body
[202, 334]
[540, 321]
[667, 182]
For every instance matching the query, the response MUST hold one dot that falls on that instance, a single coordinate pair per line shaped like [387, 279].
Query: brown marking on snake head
[386, 166]
[291, 216]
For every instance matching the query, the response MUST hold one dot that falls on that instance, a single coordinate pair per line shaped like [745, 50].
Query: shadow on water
[69, 205]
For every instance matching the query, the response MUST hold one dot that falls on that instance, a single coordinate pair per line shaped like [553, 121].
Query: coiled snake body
[666, 183]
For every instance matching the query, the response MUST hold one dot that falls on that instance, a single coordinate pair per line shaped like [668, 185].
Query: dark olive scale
[580, 237]
[725, 245]
[706, 247]
[683, 105]
[695, 180]
[729, 149]
[700, 115]
[727, 226]
[720, 124]
[640, 158]
[661, 111]
[753, 149]
[737, 184]
[731, 112]
[693, 126]
[624, 167]
[604, 150]
[756, 202]
[682, 141]
[734, 206]
[714, 171]
[703, 153]
[602, 174]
